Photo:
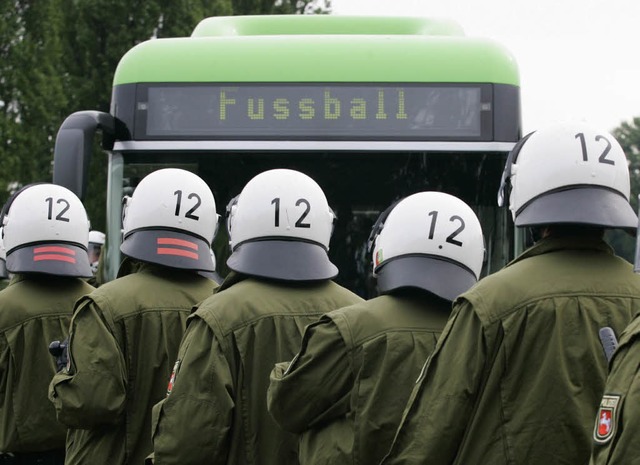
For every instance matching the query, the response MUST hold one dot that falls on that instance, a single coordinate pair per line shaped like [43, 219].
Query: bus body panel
[324, 25]
[330, 59]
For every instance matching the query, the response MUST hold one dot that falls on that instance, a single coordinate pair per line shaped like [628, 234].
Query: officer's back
[125, 335]
[45, 230]
[358, 363]
[521, 364]
[216, 412]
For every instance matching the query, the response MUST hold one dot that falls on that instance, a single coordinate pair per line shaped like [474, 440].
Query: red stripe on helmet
[178, 252]
[54, 249]
[179, 242]
[54, 257]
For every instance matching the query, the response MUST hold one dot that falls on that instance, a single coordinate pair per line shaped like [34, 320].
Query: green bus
[372, 108]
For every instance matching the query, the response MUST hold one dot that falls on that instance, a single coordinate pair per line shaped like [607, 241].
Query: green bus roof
[324, 25]
[336, 58]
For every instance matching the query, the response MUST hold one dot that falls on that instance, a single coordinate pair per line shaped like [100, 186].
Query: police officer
[215, 411]
[519, 370]
[617, 423]
[124, 337]
[45, 231]
[349, 383]
[96, 244]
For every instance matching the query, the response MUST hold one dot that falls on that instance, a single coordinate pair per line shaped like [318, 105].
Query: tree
[280, 7]
[628, 134]
[32, 91]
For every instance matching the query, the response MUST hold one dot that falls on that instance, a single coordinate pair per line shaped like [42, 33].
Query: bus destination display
[412, 111]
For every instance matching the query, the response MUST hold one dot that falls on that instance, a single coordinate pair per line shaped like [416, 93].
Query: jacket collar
[551, 244]
[231, 279]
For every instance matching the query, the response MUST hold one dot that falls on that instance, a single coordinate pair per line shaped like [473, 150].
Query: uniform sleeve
[192, 424]
[91, 390]
[314, 388]
[623, 384]
[442, 402]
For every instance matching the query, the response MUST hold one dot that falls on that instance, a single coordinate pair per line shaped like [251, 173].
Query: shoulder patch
[607, 419]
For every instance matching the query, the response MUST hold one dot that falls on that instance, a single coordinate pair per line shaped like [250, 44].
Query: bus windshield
[358, 186]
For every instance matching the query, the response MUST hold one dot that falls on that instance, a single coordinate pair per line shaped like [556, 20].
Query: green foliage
[32, 91]
[628, 134]
[280, 7]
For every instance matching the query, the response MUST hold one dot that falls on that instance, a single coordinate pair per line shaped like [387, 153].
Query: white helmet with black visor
[280, 226]
[45, 230]
[429, 240]
[171, 220]
[569, 173]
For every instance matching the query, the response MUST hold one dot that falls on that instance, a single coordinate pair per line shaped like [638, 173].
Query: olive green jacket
[347, 388]
[616, 433]
[518, 373]
[34, 311]
[124, 340]
[216, 412]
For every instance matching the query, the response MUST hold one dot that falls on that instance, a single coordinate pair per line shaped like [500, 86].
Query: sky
[579, 60]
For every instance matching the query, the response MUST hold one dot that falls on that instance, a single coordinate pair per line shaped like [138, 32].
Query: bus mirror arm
[74, 146]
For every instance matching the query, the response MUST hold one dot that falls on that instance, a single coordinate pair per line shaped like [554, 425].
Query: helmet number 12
[191, 211]
[298, 224]
[60, 216]
[603, 156]
[451, 238]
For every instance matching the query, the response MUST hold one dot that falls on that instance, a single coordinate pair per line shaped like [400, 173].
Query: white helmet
[46, 230]
[3, 259]
[569, 173]
[170, 220]
[96, 237]
[96, 241]
[280, 226]
[429, 240]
